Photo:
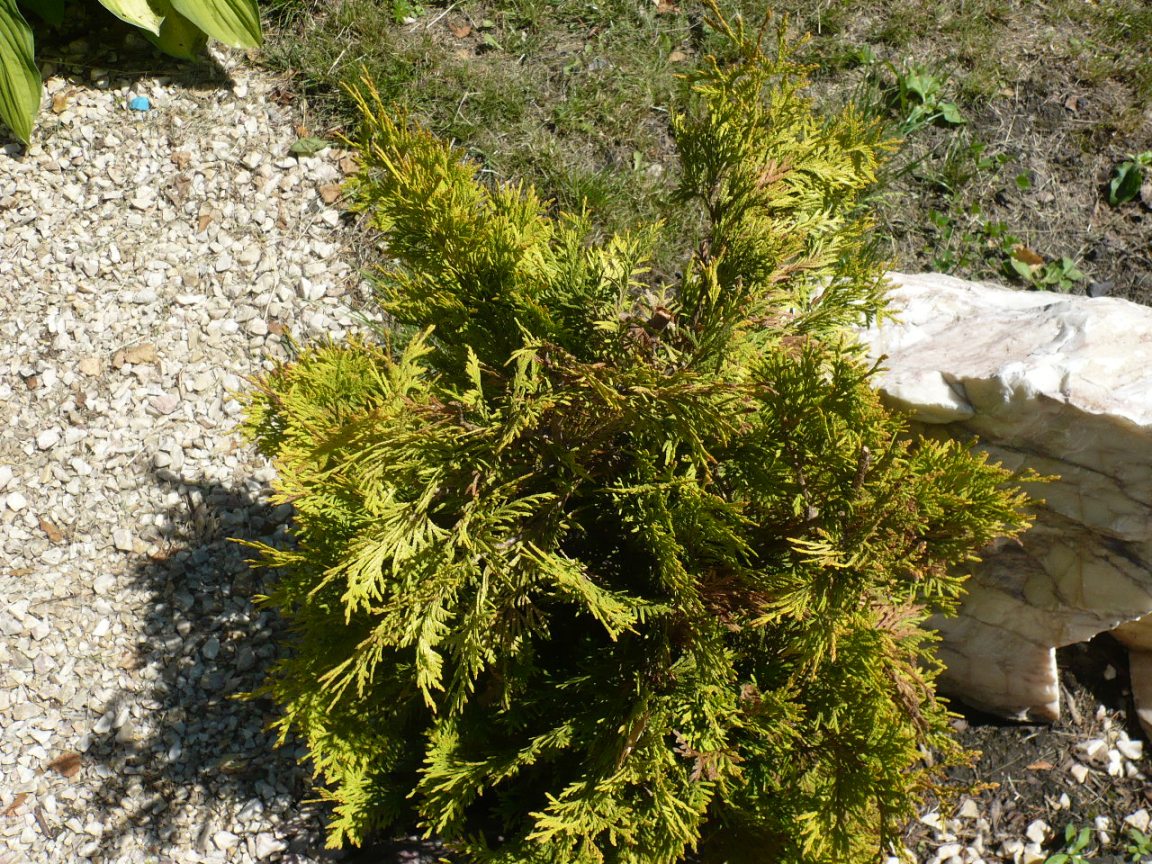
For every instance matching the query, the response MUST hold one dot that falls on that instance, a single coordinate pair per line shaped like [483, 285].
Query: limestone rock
[1061, 385]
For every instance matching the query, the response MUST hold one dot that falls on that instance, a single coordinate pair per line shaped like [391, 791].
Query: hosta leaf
[179, 37]
[19, 77]
[233, 22]
[145, 14]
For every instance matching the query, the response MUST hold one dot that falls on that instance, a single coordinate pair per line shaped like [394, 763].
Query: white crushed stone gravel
[148, 263]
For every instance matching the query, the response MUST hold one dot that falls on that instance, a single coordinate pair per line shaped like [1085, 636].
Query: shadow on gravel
[183, 747]
[92, 47]
[182, 758]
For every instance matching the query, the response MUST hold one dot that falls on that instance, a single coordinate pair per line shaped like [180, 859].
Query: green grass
[570, 96]
[573, 96]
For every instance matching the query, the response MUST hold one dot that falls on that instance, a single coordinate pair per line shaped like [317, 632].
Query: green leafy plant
[597, 563]
[177, 27]
[1076, 841]
[917, 97]
[404, 11]
[974, 243]
[1034, 271]
[1139, 846]
[1127, 178]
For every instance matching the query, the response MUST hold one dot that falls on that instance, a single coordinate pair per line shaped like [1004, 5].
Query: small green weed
[1075, 842]
[956, 247]
[1079, 849]
[1128, 177]
[912, 92]
[406, 11]
[917, 98]
[1055, 275]
[1139, 846]
[962, 161]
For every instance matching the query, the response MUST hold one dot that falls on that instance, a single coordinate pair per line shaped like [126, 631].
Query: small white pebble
[1115, 764]
[1138, 820]
[932, 820]
[266, 845]
[1094, 750]
[969, 809]
[1065, 801]
[1133, 750]
[1012, 848]
[948, 851]
[1103, 833]
[1037, 831]
[126, 732]
[1079, 771]
[1109, 673]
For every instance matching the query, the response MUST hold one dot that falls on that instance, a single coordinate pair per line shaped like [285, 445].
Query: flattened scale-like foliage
[594, 568]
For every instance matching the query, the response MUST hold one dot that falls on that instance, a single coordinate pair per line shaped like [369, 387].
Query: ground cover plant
[574, 95]
[603, 562]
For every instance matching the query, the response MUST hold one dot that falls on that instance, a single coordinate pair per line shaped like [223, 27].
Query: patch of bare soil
[1050, 99]
[1031, 170]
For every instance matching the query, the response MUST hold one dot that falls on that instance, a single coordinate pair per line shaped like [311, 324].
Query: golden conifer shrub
[597, 566]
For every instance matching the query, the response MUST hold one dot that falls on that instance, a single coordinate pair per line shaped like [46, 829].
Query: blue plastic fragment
[140, 103]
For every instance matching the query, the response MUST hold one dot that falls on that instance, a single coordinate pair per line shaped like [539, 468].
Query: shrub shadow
[183, 758]
[186, 755]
